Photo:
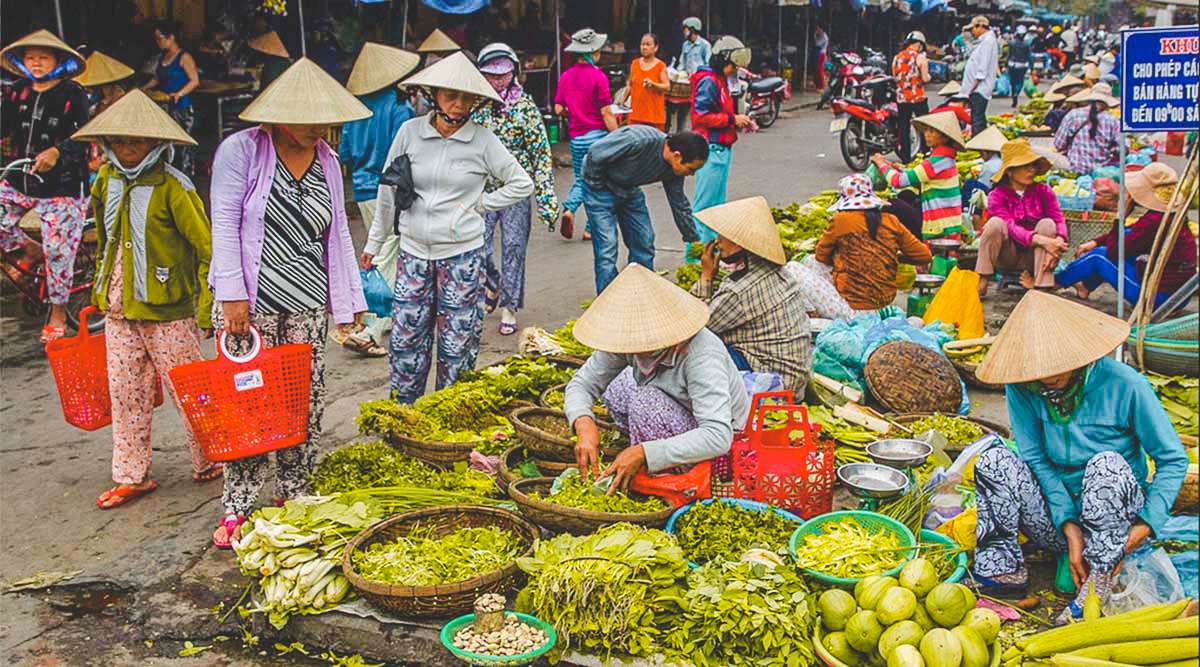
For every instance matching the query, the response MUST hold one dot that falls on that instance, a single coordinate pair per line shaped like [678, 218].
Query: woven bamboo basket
[958, 350]
[1083, 226]
[551, 446]
[907, 377]
[986, 425]
[545, 402]
[442, 599]
[438, 454]
[570, 520]
[507, 470]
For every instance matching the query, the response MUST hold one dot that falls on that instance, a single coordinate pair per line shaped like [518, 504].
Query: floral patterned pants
[442, 297]
[1009, 499]
[62, 228]
[244, 478]
[818, 292]
[509, 277]
[645, 413]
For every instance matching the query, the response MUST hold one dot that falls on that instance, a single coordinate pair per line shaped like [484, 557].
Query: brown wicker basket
[547, 445]
[442, 599]
[958, 350]
[986, 425]
[906, 377]
[544, 401]
[966, 370]
[570, 520]
[439, 454]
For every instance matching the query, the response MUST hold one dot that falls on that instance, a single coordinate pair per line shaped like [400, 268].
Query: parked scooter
[764, 96]
[869, 124]
[849, 73]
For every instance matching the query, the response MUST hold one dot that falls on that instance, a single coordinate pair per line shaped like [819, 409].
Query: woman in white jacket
[440, 273]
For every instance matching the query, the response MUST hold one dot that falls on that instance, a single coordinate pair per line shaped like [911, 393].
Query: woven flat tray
[906, 377]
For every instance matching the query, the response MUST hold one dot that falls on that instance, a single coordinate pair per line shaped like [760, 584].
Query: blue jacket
[365, 142]
[1118, 413]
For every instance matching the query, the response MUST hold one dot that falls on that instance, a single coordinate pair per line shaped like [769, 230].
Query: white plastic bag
[1147, 577]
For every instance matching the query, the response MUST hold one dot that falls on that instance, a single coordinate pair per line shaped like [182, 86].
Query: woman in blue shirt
[177, 76]
[1084, 425]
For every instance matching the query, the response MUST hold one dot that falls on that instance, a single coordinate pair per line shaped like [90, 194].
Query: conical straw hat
[43, 38]
[640, 312]
[102, 69]
[945, 122]
[134, 115]
[437, 42]
[1101, 92]
[1054, 97]
[990, 139]
[270, 44]
[950, 89]
[1031, 345]
[305, 95]
[1066, 82]
[455, 72]
[377, 66]
[748, 223]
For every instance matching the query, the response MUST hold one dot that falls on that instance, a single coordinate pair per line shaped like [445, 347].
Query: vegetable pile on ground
[743, 613]
[555, 399]
[421, 558]
[573, 492]
[374, 464]
[605, 593]
[957, 431]
[799, 223]
[1180, 397]
[846, 548]
[724, 531]
[910, 622]
[1152, 635]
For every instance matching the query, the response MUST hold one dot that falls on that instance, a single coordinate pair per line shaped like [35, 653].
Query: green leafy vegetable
[572, 492]
[422, 559]
[724, 531]
[374, 464]
[957, 431]
[1180, 397]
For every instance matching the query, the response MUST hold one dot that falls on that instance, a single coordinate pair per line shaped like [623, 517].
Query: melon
[836, 606]
[905, 656]
[939, 648]
[896, 605]
[919, 576]
[863, 630]
[838, 647]
[904, 632]
[921, 616]
[984, 621]
[974, 649]
[947, 605]
[869, 591]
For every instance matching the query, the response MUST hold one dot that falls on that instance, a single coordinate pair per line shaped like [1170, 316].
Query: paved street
[145, 562]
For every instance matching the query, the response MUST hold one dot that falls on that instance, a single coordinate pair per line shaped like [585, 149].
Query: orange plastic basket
[788, 466]
[242, 406]
[80, 368]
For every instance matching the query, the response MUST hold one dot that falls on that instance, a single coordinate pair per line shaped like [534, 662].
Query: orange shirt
[649, 105]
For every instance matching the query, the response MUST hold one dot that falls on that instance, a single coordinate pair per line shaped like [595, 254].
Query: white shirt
[1070, 40]
[449, 174]
[982, 66]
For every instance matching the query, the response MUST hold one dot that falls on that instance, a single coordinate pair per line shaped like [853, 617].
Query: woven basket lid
[748, 223]
[908, 377]
[377, 66]
[640, 311]
[946, 123]
[1032, 346]
[270, 44]
[454, 72]
[990, 139]
[305, 95]
[134, 115]
[438, 42]
[950, 89]
[102, 69]
[43, 38]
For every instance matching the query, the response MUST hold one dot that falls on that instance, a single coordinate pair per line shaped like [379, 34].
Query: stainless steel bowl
[945, 245]
[929, 280]
[868, 480]
[899, 453]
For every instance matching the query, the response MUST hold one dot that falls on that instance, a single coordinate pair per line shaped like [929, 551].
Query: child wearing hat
[1150, 188]
[151, 279]
[936, 177]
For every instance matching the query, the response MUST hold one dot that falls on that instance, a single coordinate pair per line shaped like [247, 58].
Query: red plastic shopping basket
[242, 406]
[80, 368]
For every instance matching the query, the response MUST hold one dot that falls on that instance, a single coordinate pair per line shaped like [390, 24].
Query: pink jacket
[242, 172]
[1023, 213]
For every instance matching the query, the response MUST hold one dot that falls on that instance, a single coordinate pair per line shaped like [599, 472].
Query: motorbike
[764, 96]
[850, 72]
[870, 123]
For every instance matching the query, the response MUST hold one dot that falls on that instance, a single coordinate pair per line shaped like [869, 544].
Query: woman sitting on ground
[666, 379]
[757, 310]
[1085, 425]
[1090, 136]
[1057, 97]
[1152, 188]
[1026, 230]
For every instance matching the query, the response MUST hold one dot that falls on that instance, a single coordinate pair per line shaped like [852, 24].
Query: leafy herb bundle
[724, 531]
[423, 559]
[374, 464]
[573, 492]
[957, 431]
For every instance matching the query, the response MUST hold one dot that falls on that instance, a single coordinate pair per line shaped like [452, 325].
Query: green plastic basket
[960, 558]
[873, 521]
[452, 628]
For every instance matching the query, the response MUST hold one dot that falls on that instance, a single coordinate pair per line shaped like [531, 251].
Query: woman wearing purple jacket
[282, 257]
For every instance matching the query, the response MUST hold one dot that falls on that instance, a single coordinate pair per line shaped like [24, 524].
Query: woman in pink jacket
[282, 256]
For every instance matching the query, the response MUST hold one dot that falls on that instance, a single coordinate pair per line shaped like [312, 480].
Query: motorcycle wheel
[854, 149]
[770, 114]
[829, 92]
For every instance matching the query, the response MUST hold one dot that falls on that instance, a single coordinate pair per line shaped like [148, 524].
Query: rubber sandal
[363, 346]
[122, 495]
[51, 333]
[210, 473]
[587, 236]
[508, 328]
[230, 523]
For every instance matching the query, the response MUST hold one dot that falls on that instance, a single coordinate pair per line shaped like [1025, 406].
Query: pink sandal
[230, 523]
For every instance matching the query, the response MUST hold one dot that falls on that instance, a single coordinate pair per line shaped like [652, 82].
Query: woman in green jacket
[151, 279]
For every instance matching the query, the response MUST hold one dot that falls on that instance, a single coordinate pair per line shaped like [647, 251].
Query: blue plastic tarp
[456, 6]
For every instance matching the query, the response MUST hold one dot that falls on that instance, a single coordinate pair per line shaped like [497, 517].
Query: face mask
[649, 362]
[132, 173]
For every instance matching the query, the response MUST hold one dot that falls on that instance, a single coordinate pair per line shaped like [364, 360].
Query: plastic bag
[377, 292]
[1187, 565]
[839, 352]
[1147, 577]
[957, 302]
[1003, 87]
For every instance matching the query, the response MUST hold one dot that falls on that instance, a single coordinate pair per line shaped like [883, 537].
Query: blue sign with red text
[1160, 79]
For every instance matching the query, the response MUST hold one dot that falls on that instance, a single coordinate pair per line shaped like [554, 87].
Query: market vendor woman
[1084, 424]
[665, 378]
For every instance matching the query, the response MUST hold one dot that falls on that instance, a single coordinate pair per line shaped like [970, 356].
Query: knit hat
[1031, 345]
[586, 41]
[748, 223]
[378, 66]
[1153, 186]
[305, 95]
[990, 139]
[438, 42]
[454, 72]
[270, 44]
[1017, 153]
[945, 122]
[855, 193]
[46, 40]
[134, 115]
[101, 70]
[640, 312]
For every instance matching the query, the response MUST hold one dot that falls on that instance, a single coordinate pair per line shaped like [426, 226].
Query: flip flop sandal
[230, 523]
[364, 347]
[51, 333]
[508, 328]
[210, 473]
[122, 495]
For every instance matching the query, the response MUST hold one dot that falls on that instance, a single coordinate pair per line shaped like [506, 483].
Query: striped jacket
[941, 196]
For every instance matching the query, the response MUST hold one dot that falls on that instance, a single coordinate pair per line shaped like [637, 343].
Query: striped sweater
[941, 196]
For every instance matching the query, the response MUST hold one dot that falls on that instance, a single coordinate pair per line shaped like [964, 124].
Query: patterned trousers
[1009, 500]
[818, 292]
[185, 156]
[442, 297]
[244, 478]
[645, 413]
[509, 277]
[62, 228]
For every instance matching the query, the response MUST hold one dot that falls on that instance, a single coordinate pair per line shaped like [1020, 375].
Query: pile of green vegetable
[536, 340]
[421, 558]
[608, 592]
[573, 492]
[1180, 397]
[743, 613]
[374, 464]
[852, 439]
[957, 431]
[846, 548]
[721, 531]
[799, 223]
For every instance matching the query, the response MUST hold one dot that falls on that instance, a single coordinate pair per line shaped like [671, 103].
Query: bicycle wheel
[81, 290]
